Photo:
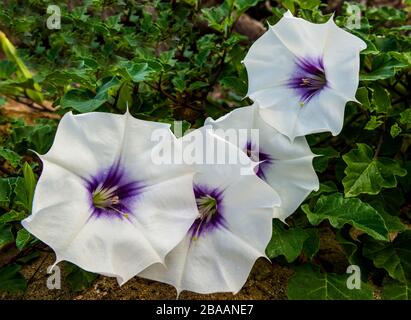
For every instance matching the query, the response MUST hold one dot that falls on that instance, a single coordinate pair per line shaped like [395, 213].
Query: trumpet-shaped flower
[302, 74]
[286, 166]
[103, 204]
[233, 226]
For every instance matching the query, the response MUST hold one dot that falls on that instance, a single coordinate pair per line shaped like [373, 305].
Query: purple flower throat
[112, 193]
[264, 160]
[210, 209]
[308, 78]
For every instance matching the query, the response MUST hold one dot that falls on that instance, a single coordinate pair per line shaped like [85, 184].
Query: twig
[37, 269]
[380, 141]
[160, 89]
[32, 104]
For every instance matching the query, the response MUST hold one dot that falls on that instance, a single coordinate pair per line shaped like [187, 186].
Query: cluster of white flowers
[103, 204]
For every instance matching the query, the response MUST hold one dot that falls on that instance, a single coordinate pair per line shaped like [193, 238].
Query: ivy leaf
[82, 101]
[219, 17]
[289, 5]
[312, 243]
[326, 187]
[137, 72]
[12, 215]
[197, 85]
[309, 4]
[364, 174]
[23, 238]
[320, 163]
[235, 83]
[406, 180]
[373, 123]
[340, 211]
[386, 14]
[405, 117]
[393, 223]
[381, 101]
[286, 242]
[179, 83]
[6, 236]
[362, 97]
[77, 278]
[395, 130]
[395, 257]
[383, 67]
[12, 157]
[85, 100]
[38, 137]
[5, 191]
[395, 290]
[244, 5]
[350, 248]
[308, 283]
[125, 96]
[11, 280]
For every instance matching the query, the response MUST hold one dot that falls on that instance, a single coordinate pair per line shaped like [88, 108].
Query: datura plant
[182, 141]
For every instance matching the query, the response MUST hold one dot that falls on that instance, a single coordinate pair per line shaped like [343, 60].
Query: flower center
[111, 193]
[103, 198]
[210, 211]
[308, 78]
[107, 199]
[207, 206]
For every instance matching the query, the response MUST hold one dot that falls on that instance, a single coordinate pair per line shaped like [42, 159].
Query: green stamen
[207, 207]
[106, 199]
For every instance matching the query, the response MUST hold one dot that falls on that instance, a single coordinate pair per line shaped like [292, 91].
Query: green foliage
[339, 211]
[77, 278]
[367, 174]
[324, 156]
[6, 235]
[394, 290]
[308, 283]
[12, 157]
[181, 60]
[394, 257]
[11, 280]
[290, 243]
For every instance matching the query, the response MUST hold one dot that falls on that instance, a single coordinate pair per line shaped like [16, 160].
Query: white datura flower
[234, 223]
[302, 74]
[286, 166]
[102, 204]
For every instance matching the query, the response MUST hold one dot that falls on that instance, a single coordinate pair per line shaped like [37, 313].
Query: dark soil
[267, 281]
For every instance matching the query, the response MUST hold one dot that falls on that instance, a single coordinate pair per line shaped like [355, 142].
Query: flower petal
[118, 243]
[301, 37]
[220, 259]
[291, 172]
[325, 112]
[268, 63]
[342, 62]
[82, 149]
